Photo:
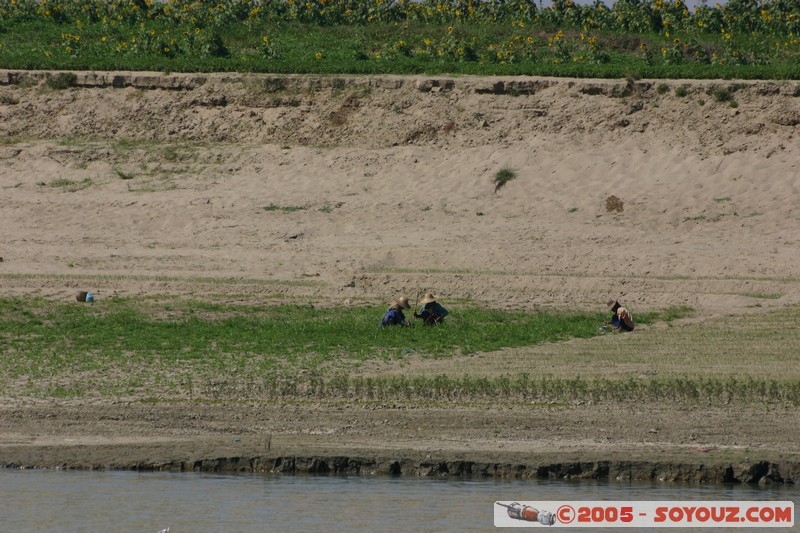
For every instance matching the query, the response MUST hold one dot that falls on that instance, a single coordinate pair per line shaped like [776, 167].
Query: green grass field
[170, 348]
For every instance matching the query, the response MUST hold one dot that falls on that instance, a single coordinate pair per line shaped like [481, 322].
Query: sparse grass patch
[761, 295]
[67, 184]
[721, 95]
[10, 140]
[123, 175]
[696, 218]
[174, 154]
[284, 208]
[126, 145]
[503, 176]
[681, 91]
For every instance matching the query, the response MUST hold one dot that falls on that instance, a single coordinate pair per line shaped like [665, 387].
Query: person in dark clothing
[621, 318]
[394, 315]
[431, 311]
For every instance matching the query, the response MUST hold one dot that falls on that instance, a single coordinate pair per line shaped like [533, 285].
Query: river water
[44, 501]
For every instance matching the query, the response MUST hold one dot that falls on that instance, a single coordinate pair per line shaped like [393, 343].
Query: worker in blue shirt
[394, 315]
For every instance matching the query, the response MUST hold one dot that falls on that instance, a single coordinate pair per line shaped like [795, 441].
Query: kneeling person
[621, 318]
[431, 311]
[394, 315]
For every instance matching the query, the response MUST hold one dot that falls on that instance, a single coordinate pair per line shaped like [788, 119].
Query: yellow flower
[318, 55]
[103, 38]
[727, 35]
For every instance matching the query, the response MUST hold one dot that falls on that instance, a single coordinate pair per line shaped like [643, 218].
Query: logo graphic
[529, 514]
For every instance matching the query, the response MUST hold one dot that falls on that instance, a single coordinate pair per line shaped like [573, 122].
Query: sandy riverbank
[129, 184]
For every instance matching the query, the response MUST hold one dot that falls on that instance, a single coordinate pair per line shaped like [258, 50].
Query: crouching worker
[431, 311]
[621, 318]
[394, 315]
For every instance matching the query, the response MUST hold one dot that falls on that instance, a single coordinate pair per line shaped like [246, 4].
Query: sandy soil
[145, 183]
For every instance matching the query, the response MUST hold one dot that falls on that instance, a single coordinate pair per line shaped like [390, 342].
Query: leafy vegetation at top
[653, 38]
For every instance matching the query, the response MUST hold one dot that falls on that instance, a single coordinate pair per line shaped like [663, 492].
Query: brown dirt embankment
[612, 442]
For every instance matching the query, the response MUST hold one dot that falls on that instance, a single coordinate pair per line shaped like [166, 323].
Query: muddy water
[77, 501]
